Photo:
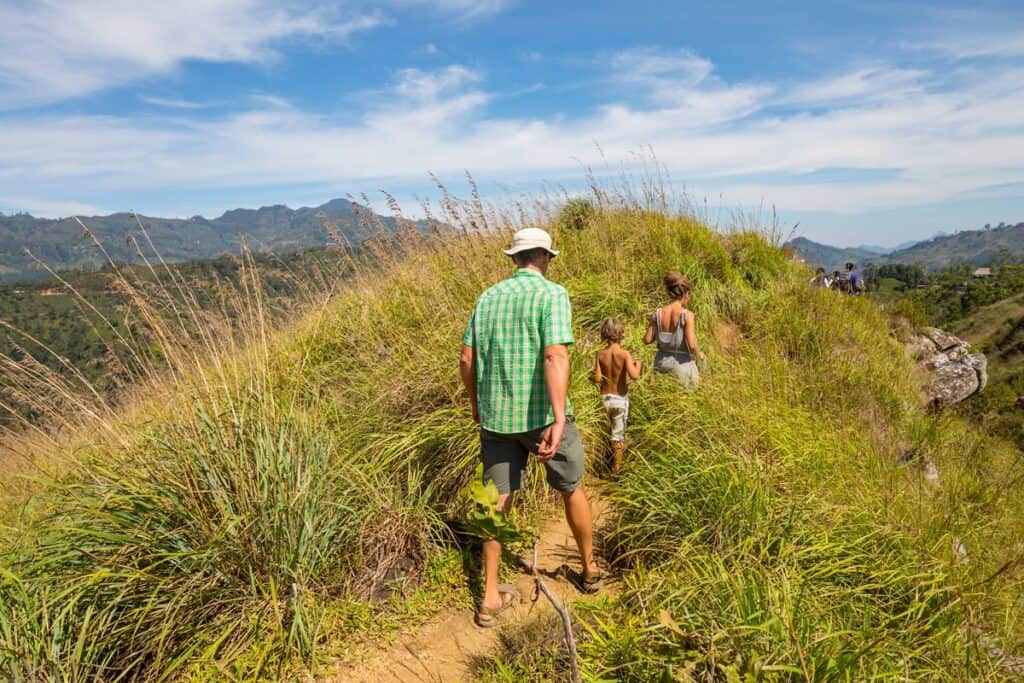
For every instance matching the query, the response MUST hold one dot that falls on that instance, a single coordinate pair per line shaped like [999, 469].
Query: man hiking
[515, 366]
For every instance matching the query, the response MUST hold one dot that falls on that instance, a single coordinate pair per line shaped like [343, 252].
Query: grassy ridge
[232, 523]
[774, 533]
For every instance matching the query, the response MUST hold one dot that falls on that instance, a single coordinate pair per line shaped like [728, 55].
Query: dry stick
[570, 639]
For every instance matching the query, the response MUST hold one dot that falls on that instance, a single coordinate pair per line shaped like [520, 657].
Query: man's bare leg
[492, 558]
[577, 514]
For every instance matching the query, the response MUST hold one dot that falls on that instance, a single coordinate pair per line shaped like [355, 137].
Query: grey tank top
[674, 341]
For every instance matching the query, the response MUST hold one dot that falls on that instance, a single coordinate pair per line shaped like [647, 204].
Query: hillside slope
[973, 247]
[59, 242]
[828, 257]
[280, 492]
[58, 321]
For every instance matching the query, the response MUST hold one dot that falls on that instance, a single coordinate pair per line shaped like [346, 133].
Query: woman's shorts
[681, 365]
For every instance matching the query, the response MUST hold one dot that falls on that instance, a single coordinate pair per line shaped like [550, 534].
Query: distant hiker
[839, 282]
[515, 366]
[672, 328]
[820, 279]
[854, 284]
[613, 368]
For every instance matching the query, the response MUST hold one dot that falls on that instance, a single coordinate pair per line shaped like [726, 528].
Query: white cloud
[865, 84]
[680, 82]
[56, 49]
[944, 135]
[995, 44]
[44, 207]
[465, 10]
[972, 33]
[657, 68]
[428, 86]
[173, 103]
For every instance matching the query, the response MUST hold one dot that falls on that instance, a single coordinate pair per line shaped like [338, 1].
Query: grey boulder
[951, 371]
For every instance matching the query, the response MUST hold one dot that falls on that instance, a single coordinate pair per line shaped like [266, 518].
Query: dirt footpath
[444, 649]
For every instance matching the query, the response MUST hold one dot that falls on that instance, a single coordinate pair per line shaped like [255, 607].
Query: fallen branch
[570, 638]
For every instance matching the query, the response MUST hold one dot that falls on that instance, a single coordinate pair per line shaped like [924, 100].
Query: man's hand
[550, 442]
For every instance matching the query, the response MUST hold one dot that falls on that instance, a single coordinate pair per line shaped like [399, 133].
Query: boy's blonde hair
[612, 330]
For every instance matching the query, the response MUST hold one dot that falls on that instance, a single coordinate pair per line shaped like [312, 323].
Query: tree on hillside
[870, 274]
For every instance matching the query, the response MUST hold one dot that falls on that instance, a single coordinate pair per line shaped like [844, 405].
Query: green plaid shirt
[512, 323]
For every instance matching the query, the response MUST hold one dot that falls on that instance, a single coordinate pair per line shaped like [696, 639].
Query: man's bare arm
[556, 377]
[467, 370]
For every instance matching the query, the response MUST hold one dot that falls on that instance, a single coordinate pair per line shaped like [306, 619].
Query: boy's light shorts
[505, 457]
[617, 408]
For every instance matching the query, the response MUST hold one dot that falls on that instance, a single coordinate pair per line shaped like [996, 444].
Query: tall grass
[267, 476]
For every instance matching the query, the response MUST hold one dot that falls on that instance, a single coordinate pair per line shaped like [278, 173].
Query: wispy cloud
[48, 208]
[464, 10]
[679, 84]
[971, 33]
[56, 49]
[172, 103]
[940, 135]
[876, 82]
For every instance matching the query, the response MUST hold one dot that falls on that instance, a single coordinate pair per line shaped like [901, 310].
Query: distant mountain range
[61, 245]
[976, 247]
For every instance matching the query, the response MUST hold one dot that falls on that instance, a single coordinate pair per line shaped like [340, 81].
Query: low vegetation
[74, 323]
[273, 488]
[986, 310]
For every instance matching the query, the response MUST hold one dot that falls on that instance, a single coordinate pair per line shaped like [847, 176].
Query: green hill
[60, 244]
[281, 489]
[974, 247]
[830, 258]
[997, 330]
[59, 321]
[971, 247]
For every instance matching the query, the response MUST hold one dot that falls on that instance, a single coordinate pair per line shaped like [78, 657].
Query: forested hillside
[969, 247]
[72, 323]
[60, 243]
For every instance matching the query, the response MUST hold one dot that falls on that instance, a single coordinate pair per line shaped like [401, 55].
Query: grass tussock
[270, 485]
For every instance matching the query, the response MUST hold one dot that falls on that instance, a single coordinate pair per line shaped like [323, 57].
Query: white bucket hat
[531, 238]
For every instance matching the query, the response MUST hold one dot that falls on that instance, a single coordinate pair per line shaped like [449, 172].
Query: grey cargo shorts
[505, 457]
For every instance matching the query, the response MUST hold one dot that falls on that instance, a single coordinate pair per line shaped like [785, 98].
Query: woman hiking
[672, 328]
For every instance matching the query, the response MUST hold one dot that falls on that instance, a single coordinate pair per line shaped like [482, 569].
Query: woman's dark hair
[676, 285]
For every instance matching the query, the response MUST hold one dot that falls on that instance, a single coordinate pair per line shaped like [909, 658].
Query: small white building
[982, 272]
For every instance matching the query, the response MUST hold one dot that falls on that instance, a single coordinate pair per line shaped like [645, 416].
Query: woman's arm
[691, 336]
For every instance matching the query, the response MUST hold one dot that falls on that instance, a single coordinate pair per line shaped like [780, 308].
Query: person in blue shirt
[854, 284]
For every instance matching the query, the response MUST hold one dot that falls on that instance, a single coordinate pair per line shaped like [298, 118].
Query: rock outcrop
[953, 372]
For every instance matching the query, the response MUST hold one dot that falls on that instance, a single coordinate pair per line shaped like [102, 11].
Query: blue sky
[865, 122]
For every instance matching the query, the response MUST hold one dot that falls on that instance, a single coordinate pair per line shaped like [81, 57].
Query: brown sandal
[487, 617]
[590, 582]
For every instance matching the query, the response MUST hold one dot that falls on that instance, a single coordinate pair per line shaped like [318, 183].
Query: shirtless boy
[613, 368]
